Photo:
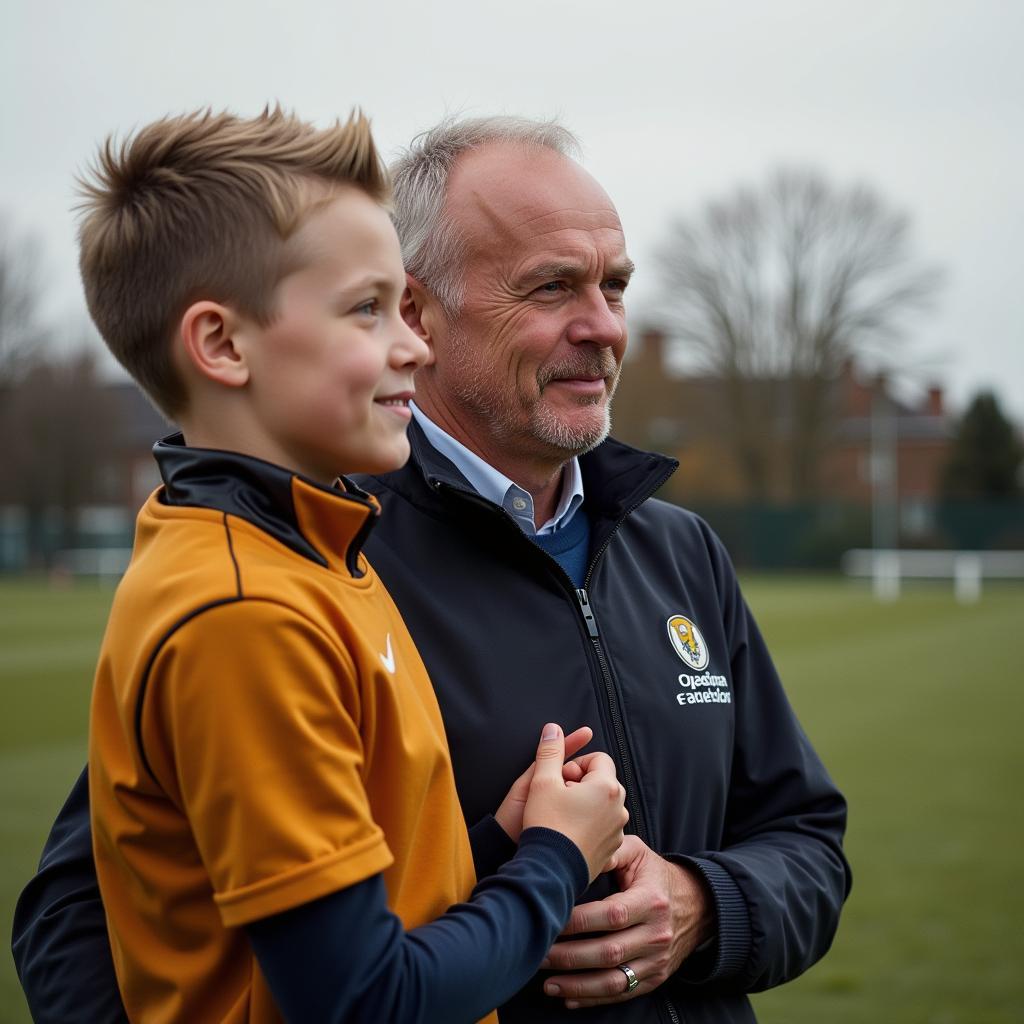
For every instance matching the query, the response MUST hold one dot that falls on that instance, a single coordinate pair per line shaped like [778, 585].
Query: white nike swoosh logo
[388, 660]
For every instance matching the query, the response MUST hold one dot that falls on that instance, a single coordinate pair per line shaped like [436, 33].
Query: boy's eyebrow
[370, 281]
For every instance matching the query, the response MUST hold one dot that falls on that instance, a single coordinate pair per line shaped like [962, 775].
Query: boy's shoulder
[188, 557]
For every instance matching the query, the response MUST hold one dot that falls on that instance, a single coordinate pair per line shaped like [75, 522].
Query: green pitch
[915, 706]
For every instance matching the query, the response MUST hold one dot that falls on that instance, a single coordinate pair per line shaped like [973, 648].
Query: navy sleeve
[491, 846]
[780, 879]
[345, 957]
[60, 943]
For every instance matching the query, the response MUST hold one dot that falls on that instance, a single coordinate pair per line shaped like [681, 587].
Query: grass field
[916, 707]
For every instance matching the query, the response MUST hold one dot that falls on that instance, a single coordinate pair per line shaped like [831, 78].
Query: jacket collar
[327, 525]
[617, 478]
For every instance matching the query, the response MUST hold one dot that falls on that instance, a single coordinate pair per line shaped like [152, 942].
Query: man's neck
[541, 478]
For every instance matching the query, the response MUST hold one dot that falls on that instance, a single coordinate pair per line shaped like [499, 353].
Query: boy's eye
[368, 308]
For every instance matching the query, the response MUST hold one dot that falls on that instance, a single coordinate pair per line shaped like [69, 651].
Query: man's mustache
[599, 365]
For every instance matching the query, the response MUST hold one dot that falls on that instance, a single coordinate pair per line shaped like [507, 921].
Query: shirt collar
[493, 485]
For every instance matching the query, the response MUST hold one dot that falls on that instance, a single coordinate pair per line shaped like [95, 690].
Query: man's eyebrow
[551, 271]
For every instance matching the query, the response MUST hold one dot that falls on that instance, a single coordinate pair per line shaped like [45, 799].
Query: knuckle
[612, 986]
[577, 923]
[659, 903]
[662, 938]
[614, 954]
[618, 915]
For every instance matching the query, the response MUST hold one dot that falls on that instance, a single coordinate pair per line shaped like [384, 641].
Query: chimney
[933, 404]
[652, 347]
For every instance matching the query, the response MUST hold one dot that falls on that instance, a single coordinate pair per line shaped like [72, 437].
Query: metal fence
[769, 537]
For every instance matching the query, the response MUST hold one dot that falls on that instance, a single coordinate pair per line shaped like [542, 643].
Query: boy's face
[331, 377]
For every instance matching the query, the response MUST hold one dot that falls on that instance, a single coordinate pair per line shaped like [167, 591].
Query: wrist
[508, 823]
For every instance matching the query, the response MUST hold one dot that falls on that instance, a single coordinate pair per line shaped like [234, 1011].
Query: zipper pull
[588, 615]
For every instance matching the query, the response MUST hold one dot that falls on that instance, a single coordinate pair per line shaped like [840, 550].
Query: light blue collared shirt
[497, 487]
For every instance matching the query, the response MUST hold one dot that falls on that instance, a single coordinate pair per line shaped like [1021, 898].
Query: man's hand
[662, 914]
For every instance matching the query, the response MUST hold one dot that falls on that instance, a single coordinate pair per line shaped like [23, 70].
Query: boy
[271, 793]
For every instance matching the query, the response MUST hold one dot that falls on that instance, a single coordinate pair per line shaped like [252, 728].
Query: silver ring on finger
[631, 979]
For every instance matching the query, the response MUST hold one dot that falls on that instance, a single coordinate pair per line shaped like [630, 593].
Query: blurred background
[824, 204]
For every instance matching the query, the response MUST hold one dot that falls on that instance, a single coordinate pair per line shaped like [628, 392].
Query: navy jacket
[718, 772]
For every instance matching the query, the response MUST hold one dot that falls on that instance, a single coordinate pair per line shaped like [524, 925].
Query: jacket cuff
[558, 846]
[491, 846]
[727, 953]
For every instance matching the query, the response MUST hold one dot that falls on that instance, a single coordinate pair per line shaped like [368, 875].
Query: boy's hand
[590, 812]
[510, 814]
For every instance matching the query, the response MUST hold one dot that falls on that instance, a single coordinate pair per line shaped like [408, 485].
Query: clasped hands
[657, 919]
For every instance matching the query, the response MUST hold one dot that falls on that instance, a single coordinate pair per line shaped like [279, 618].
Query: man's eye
[615, 284]
[551, 287]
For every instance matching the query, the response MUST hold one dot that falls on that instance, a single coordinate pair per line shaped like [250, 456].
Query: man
[539, 578]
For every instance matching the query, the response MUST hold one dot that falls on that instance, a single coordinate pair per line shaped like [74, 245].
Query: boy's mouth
[398, 402]
[400, 399]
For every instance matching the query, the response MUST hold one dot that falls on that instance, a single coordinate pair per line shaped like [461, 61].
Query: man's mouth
[580, 385]
[590, 377]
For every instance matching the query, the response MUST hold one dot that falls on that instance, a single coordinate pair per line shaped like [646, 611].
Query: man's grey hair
[432, 246]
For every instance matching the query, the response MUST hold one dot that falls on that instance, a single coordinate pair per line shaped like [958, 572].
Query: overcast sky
[676, 102]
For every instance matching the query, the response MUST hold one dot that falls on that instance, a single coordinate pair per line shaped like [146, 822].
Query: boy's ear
[208, 336]
[420, 310]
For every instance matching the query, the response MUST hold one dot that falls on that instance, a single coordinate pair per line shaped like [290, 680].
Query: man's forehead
[504, 192]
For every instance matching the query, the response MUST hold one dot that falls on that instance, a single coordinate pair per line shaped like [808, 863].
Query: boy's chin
[387, 461]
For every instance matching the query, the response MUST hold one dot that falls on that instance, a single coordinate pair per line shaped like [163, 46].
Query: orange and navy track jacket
[263, 733]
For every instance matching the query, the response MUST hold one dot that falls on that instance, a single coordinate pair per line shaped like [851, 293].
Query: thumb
[550, 753]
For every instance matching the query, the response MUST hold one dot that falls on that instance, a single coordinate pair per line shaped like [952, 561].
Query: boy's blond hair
[201, 207]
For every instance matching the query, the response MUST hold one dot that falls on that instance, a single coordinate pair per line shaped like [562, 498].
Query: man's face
[331, 376]
[530, 363]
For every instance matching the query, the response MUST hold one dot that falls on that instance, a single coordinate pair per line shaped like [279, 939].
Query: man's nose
[597, 322]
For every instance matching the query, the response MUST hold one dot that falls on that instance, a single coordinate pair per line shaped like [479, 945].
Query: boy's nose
[409, 347]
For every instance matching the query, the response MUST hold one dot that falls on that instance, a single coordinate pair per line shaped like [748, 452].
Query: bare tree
[56, 417]
[21, 333]
[773, 290]
[62, 431]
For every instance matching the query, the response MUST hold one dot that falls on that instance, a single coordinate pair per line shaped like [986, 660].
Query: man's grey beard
[500, 411]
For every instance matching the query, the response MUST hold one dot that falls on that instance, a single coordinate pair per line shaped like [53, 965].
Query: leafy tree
[986, 456]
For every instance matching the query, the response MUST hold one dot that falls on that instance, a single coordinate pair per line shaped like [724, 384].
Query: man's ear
[420, 310]
[209, 339]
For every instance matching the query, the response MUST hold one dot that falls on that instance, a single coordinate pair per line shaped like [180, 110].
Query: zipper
[615, 713]
[590, 620]
[593, 632]
[619, 730]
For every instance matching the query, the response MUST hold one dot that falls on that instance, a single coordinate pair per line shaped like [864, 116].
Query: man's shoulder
[680, 521]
